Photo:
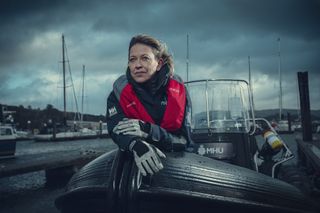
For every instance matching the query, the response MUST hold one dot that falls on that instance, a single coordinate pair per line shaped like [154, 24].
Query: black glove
[134, 127]
[147, 157]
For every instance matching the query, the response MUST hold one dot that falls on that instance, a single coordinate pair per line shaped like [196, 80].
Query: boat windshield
[220, 105]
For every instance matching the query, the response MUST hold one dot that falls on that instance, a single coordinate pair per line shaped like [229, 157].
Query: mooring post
[289, 121]
[305, 106]
[54, 130]
[1, 114]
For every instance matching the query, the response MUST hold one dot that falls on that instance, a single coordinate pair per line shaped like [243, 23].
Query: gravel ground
[29, 192]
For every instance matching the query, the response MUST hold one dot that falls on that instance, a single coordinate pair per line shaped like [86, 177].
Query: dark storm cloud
[205, 21]
[216, 19]
[225, 31]
[251, 26]
[21, 21]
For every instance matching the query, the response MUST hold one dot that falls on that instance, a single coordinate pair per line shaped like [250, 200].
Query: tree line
[29, 118]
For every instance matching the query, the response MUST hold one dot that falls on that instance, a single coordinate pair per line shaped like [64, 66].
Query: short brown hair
[160, 49]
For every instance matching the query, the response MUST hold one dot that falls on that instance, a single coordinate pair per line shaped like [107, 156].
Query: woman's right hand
[133, 127]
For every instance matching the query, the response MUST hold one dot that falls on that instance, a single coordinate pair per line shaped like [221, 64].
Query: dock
[56, 164]
[309, 153]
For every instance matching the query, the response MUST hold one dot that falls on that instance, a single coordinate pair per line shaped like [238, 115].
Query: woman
[149, 109]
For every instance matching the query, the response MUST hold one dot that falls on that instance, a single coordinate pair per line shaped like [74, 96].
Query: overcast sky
[222, 34]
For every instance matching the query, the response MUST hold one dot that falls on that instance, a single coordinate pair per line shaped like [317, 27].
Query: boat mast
[280, 81]
[82, 97]
[250, 83]
[64, 82]
[298, 101]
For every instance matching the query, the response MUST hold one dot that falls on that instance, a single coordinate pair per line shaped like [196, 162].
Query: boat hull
[7, 148]
[7, 142]
[187, 183]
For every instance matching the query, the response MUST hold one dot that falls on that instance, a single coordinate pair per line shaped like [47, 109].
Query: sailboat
[82, 130]
[282, 125]
[67, 133]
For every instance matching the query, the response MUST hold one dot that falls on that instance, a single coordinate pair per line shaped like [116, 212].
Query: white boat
[282, 126]
[296, 126]
[103, 132]
[43, 137]
[64, 136]
[22, 135]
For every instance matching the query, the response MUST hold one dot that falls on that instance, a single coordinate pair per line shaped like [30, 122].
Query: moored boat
[224, 170]
[7, 141]
[70, 135]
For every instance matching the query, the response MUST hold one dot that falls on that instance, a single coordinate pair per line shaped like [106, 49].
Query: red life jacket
[174, 113]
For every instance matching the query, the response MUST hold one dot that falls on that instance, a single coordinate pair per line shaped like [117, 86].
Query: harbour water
[29, 192]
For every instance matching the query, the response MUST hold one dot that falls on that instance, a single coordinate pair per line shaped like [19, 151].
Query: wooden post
[289, 121]
[100, 128]
[54, 130]
[305, 106]
[1, 114]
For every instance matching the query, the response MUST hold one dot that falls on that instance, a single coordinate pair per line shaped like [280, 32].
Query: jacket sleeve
[173, 141]
[114, 114]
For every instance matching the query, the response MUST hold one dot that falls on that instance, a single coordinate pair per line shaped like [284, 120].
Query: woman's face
[143, 63]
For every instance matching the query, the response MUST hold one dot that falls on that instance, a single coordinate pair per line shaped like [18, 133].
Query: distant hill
[271, 114]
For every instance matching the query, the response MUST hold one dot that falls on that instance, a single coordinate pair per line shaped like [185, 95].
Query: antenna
[250, 84]
[187, 61]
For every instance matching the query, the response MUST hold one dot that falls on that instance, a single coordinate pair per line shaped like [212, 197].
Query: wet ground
[29, 193]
